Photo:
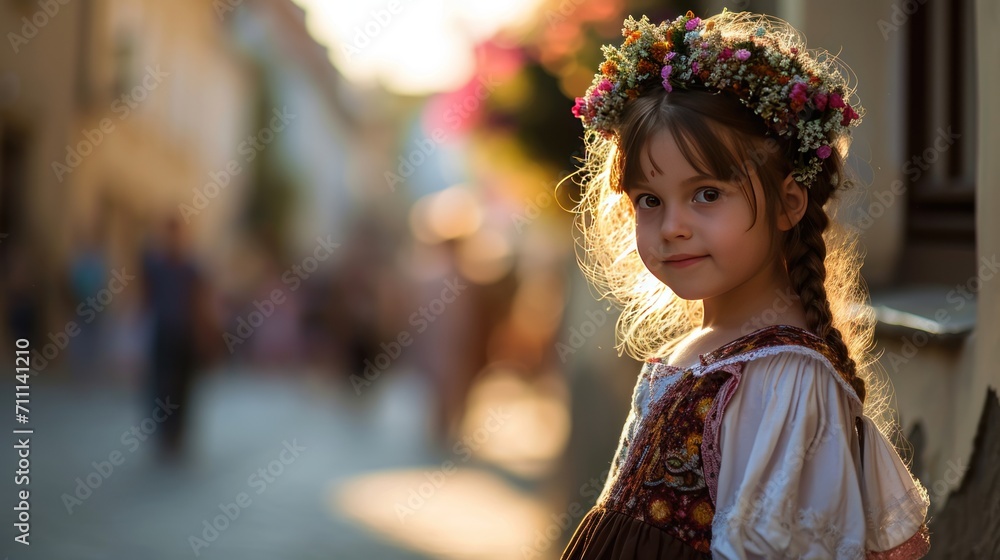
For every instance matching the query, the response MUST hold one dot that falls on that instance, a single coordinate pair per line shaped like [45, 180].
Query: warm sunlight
[412, 47]
[446, 512]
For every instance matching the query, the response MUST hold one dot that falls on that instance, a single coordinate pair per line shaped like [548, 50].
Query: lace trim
[914, 547]
[766, 336]
[807, 526]
[758, 353]
[914, 502]
[900, 510]
[826, 532]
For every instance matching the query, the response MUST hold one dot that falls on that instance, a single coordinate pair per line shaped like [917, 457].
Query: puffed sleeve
[791, 482]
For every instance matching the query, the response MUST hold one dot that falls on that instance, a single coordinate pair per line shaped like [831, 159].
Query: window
[940, 166]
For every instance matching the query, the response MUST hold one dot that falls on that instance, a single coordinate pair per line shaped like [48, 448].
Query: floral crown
[763, 61]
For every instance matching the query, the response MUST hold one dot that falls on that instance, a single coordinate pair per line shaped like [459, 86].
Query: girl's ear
[794, 199]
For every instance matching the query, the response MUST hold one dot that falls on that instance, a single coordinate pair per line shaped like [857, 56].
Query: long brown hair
[718, 136]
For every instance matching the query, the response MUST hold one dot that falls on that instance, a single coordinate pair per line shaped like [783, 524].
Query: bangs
[709, 146]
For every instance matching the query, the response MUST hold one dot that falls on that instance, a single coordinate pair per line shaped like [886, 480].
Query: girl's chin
[689, 296]
[687, 292]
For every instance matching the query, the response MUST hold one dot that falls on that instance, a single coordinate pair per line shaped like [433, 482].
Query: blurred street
[143, 509]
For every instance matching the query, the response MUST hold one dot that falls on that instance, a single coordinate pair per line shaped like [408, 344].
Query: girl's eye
[646, 201]
[708, 194]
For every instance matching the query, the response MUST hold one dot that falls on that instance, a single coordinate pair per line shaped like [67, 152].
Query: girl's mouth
[682, 261]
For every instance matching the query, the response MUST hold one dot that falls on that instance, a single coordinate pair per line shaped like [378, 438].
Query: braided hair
[805, 254]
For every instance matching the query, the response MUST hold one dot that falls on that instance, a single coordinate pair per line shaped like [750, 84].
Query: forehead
[662, 153]
[661, 160]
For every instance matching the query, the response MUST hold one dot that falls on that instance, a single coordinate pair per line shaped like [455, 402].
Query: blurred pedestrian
[88, 275]
[175, 295]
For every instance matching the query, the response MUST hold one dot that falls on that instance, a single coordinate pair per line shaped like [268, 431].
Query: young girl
[714, 147]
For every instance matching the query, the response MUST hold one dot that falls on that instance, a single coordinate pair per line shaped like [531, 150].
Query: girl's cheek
[640, 221]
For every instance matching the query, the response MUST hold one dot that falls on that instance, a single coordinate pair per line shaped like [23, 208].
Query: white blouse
[791, 482]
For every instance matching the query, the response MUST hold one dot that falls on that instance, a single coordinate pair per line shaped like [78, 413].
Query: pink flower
[692, 24]
[670, 56]
[605, 85]
[836, 101]
[742, 54]
[819, 100]
[580, 107]
[665, 74]
[726, 54]
[823, 151]
[694, 66]
[798, 95]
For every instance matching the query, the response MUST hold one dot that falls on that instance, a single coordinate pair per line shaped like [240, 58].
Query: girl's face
[695, 233]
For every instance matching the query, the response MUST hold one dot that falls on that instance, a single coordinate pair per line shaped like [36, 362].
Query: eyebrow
[693, 179]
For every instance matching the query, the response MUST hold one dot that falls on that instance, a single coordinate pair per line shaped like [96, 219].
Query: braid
[805, 251]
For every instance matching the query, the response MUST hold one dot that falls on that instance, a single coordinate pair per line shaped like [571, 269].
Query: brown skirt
[606, 534]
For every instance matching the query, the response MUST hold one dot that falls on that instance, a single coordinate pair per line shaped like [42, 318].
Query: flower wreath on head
[763, 61]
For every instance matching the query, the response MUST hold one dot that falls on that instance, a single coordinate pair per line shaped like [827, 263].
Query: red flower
[798, 96]
[849, 115]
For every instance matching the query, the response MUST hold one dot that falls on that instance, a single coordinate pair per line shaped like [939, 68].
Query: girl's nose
[675, 224]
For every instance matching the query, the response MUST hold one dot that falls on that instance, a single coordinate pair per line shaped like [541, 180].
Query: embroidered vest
[666, 469]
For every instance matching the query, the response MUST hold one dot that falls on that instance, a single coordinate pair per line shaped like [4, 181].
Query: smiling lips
[681, 261]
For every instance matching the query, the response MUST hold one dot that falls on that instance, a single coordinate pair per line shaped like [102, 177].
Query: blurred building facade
[110, 125]
[117, 114]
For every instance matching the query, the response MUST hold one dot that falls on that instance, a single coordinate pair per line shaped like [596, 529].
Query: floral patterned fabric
[666, 487]
[663, 477]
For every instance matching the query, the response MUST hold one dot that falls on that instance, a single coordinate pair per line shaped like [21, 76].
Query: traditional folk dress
[760, 451]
